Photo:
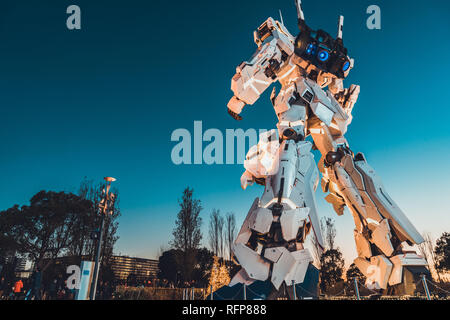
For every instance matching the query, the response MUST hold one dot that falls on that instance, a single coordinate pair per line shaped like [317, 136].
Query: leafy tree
[442, 252]
[187, 234]
[81, 243]
[205, 259]
[57, 224]
[8, 231]
[353, 272]
[42, 230]
[219, 276]
[169, 267]
[331, 261]
[332, 269]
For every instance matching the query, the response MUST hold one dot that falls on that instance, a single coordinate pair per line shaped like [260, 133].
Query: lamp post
[355, 282]
[103, 210]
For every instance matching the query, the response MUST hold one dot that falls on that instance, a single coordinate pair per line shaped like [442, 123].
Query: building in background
[130, 270]
[24, 268]
[139, 269]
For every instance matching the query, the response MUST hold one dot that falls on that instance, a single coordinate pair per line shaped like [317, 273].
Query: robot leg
[382, 229]
[270, 242]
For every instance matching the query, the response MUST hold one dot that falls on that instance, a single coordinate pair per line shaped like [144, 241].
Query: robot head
[320, 49]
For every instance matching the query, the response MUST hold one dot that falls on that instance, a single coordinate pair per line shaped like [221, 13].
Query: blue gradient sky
[104, 100]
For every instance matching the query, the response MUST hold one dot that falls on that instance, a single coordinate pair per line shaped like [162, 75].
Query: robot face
[323, 51]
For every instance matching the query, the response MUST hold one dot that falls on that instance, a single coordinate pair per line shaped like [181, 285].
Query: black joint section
[260, 181]
[272, 68]
[253, 241]
[313, 75]
[280, 192]
[234, 115]
[367, 233]
[332, 157]
[277, 209]
[360, 157]
[300, 137]
[291, 134]
[296, 99]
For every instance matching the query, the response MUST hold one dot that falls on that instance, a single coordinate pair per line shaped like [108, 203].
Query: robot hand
[348, 97]
[235, 107]
[234, 115]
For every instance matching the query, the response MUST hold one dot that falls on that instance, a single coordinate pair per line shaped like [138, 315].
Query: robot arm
[345, 97]
[252, 78]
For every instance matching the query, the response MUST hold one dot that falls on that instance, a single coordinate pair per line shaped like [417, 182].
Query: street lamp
[103, 210]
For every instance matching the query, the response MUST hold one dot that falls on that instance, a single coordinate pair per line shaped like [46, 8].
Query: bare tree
[82, 243]
[327, 225]
[328, 229]
[230, 231]
[159, 252]
[216, 223]
[187, 233]
[316, 251]
[426, 248]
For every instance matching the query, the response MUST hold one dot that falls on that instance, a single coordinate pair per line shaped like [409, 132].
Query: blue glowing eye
[346, 66]
[309, 49]
[323, 55]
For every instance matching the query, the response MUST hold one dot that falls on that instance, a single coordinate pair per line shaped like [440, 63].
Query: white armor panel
[251, 261]
[250, 80]
[321, 104]
[241, 277]
[262, 159]
[273, 254]
[291, 221]
[293, 118]
[401, 260]
[282, 267]
[381, 237]
[386, 205]
[245, 232]
[303, 258]
[377, 271]
[247, 179]
[261, 220]
[362, 245]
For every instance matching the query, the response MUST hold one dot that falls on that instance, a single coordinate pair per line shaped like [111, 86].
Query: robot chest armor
[308, 94]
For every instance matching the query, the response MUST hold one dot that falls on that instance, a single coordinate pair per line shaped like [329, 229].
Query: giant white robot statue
[270, 244]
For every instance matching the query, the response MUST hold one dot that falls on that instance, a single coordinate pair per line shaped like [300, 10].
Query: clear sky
[104, 100]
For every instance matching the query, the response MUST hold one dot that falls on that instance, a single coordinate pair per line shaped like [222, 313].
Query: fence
[432, 291]
[150, 293]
